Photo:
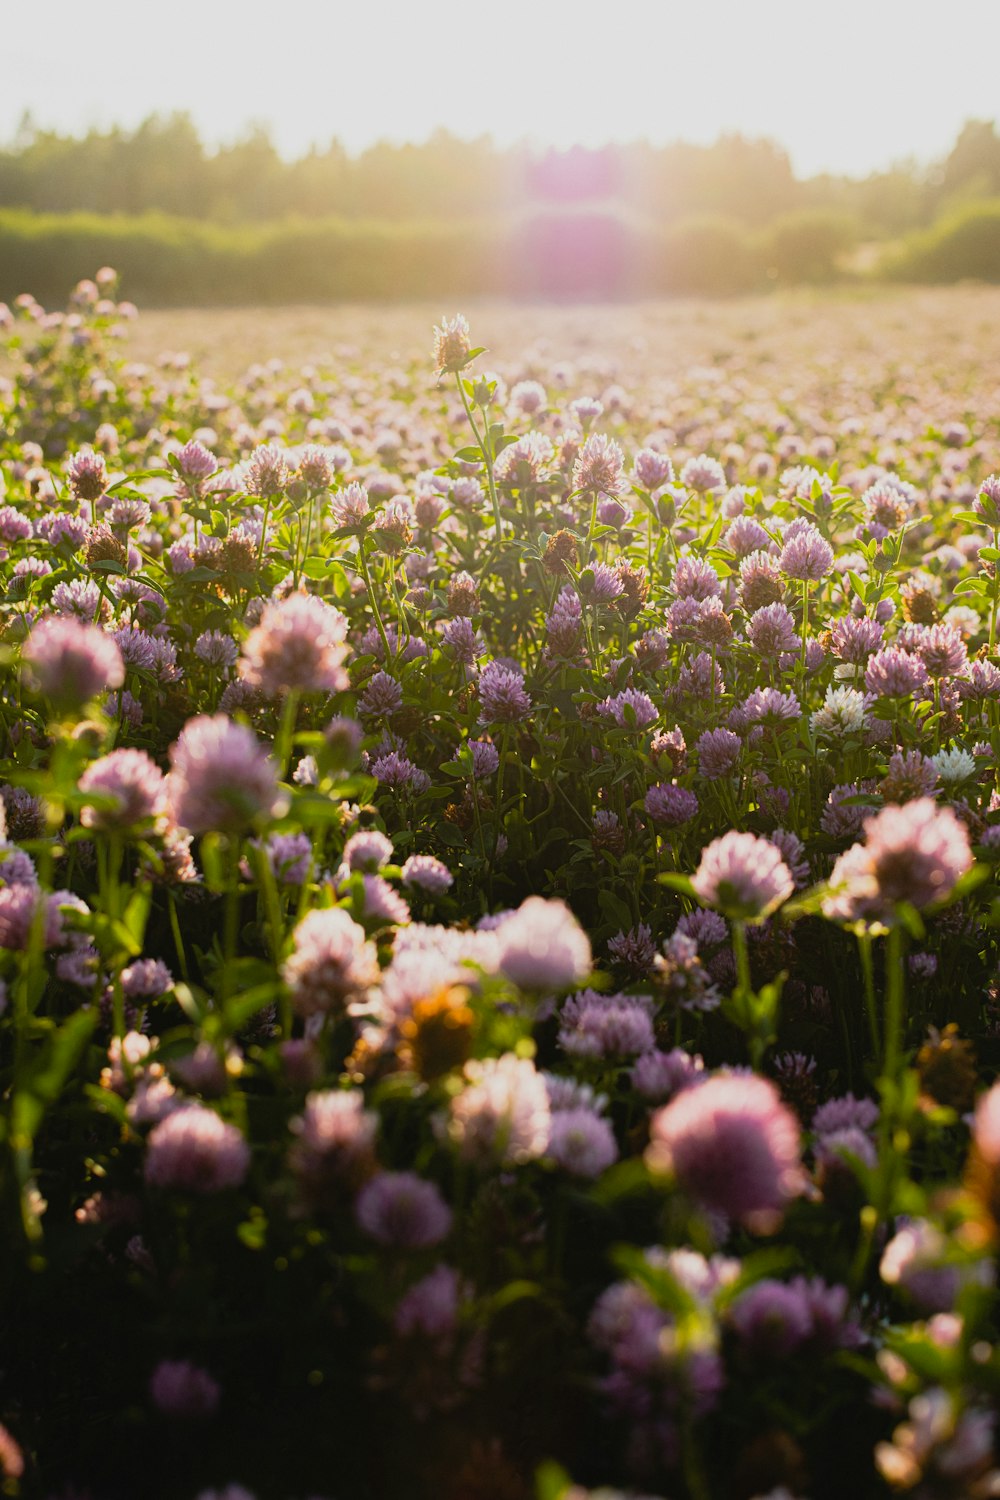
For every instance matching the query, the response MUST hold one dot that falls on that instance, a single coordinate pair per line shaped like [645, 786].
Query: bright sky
[847, 88]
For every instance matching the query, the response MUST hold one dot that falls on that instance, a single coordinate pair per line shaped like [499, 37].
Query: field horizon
[225, 340]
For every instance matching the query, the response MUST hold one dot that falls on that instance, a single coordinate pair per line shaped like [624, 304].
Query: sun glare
[550, 71]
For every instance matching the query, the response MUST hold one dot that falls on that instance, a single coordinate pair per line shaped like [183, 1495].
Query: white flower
[844, 712]
[954, 765]
[964, 619]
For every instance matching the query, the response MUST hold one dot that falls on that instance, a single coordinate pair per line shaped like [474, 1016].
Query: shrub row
[169, 261]
[965, 245]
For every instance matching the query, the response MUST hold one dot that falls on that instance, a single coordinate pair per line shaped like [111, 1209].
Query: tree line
[163, 165]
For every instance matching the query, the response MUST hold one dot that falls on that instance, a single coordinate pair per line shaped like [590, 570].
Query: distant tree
[245, 177]
[163, 165]
[973, 166]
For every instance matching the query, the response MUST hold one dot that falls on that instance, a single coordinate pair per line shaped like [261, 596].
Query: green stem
[865, 952]
[487, 456]
[275, 926]
[231, 921]
[175, 928]
[263, 532]
[402, 633]
[296, 559]
[286, 731]
[741, 956]
[895, 1007]
[272, 903]
[309, 527]
[497, 811]
[592, 524]
[474, 789]
[109, 858]
[363, 560]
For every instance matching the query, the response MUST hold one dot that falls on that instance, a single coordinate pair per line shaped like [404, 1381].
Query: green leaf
[614, 909]
[622, 1180]
[193, 1003]
[249, 1004]
[911, 920]
[450, 836]
[137, 911]
[43, 1081]
[551, 1481]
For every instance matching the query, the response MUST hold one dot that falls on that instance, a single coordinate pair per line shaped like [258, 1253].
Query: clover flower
[331, 964]
[70, 663]
[297, 646]
[599, 468]
[502, 698]
[221, 778]
[541, 946]
[403, 1211]
[452, 345]
[732, 1145]
[502, 1116]
[193, 1150]
[134, 782]
[743, 876]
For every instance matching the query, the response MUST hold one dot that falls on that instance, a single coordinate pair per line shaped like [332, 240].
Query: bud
[920, 606]
[561, 549]
[104, 546]
[946, 1064]
[463, 596]
[437, 1036]
[987, 503]
[343, 741]
[391, 532]
[608, 835]
[635, 590]
[238, 554]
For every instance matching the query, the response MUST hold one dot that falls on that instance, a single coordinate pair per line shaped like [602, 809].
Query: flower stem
[895, 1007]
[231, 921]
[286, 731]
[865, 952]
[263, 532]
[485, 451]
[363, 560]
[741, 956]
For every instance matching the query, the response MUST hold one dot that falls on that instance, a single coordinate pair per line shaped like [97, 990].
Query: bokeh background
[548, 151]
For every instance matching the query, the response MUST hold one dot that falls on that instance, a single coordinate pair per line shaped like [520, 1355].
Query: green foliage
[806, 245]
[964, 245]
[169, 261]
[450, 217]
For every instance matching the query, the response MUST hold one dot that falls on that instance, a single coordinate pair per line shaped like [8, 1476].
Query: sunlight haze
[846, 92]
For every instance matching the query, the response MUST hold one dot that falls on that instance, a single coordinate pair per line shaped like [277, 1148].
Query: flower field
[499, 917]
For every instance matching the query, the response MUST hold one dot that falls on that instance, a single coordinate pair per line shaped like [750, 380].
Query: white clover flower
[964, 619]
[954, 765]
[844, 711]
